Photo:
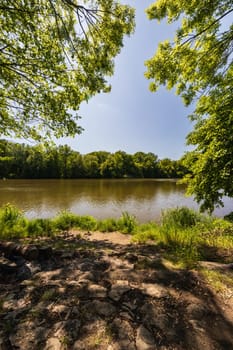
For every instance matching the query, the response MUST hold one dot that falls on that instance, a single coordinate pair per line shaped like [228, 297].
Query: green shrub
[9, 215]
[12, 222]
[86, 223]
[180, 218]
[146, 232]
[143, 237]
[127, 223]
[107, 225]
[180, 232]
[40, 227]
[65, 221]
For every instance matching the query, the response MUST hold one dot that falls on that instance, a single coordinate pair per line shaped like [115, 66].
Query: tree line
[22, 161]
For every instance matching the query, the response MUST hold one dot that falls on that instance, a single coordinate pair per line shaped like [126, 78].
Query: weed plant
[184, 233]
[127, 223]
[65, 221]
[40, 227]
[12, 222]
[14, 225]
[108, 225]
[220, 282]
[146, 232]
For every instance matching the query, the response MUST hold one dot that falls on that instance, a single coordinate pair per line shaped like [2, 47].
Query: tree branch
[208, 27]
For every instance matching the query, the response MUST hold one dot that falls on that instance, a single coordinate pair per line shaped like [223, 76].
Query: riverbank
[83, 290]
[187, 235]
[74, 282]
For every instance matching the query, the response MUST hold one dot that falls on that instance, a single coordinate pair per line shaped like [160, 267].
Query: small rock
[59, 309]
[196, 311]
[5, 344]
[53, 344]
[196, 326]
[34, 268]
[69, 328]
[45, 252]
[154, 290]
[24, 273]
[132, 258]
[104, 308]
[101, 266]
[154, 316]
[7, 265]
[75, 311]
[118, 290]
[86, 276]
[86, 266]
[144, 339]
[67, 255]
[96, 291]
[126, 316]
[30, 252]
[131, 305]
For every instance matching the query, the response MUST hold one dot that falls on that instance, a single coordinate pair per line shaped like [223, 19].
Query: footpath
[99, 291]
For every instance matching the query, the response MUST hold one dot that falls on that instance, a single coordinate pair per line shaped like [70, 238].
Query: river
[144, 198]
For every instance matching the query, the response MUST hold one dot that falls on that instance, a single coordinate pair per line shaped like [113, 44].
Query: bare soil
[84, 291]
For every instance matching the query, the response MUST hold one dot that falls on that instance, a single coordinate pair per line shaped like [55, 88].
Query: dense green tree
[101, 155]
[52, 161]
[118, 165]
[40, 161]
[54, 54]
[77, 169]
[198, 63]
[167, 168]
[112, 166]
[91, 166]
[64, 164]
[146, 164]
[35, 164]
[5, 159]
[92, 163]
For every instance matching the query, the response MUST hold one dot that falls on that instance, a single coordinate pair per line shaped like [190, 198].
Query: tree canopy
[54, 54]
[21, 161]
[198, 64]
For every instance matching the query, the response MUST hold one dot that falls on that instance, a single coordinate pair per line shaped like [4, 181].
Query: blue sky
[131, 118]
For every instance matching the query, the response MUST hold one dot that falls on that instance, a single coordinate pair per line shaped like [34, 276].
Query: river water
[144, 198]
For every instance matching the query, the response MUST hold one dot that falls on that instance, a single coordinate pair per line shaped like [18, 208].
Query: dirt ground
[84, 291]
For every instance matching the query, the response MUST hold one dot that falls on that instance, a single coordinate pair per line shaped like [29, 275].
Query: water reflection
[101, 198]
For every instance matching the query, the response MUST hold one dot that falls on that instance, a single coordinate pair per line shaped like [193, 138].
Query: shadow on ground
[79, 294]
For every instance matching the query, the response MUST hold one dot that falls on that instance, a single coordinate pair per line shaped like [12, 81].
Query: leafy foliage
[54, 55]
[127, 223]
[23, 161]
[181, 217]
[199, 65]
[12, 222]
[186, 235]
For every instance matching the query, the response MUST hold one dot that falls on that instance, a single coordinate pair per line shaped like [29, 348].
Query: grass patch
[146, 232]
[40, 227]
[107, 225]
[66, 220]
[12, 222]
[219, 281]
[127, 223]
[184, 234]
